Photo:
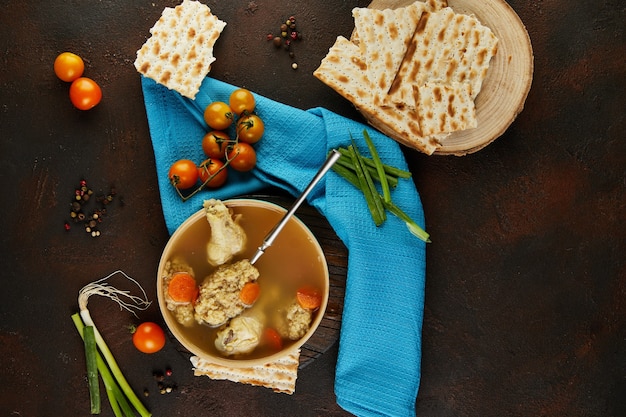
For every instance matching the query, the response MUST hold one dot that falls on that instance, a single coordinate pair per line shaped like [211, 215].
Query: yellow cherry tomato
[218, 115]
[68, 66]
[241, 101]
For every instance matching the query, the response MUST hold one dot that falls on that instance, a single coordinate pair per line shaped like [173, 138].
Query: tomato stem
[204, 184]
[240, 124]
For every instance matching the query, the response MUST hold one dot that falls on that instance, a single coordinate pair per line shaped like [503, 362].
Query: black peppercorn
[81, 197]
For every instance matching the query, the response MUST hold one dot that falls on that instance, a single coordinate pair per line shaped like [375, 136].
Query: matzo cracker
[179, 53]
[416, 92]
[279, 376]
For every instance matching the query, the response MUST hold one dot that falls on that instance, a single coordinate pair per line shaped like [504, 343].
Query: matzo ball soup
[295, 260]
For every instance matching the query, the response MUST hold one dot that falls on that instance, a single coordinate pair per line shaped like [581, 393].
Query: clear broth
[291, 262]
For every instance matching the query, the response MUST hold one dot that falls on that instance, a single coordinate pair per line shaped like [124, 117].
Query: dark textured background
[525, 309]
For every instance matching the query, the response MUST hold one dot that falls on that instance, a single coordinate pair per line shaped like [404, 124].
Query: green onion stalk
[120, 394]
[361, 172]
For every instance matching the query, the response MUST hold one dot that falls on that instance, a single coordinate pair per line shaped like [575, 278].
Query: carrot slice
[309, 298]
[249, 293]
[182, 288]
[272, 339]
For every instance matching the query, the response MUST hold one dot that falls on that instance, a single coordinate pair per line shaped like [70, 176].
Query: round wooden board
[508, 80]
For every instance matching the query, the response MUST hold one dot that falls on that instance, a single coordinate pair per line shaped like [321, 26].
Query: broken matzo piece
[446, 47]
[279, 376]
[383, 37]
[443, 108]
[179, 53]
[344, 70]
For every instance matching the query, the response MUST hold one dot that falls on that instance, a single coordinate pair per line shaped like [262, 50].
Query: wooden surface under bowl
[508, 80]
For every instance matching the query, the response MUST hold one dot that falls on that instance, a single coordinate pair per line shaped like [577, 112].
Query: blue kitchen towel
[378, 367]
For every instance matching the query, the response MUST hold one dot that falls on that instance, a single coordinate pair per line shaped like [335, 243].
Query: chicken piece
[219, 300]
[241, 335]
[294, 321]
[227, 237]
[183, 312]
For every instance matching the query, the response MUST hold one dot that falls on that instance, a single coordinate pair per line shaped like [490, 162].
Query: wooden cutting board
[508, 80]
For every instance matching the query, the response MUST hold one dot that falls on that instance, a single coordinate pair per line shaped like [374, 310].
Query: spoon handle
[269, 239]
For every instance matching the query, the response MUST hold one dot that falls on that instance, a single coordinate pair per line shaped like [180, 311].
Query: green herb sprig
[363, 173]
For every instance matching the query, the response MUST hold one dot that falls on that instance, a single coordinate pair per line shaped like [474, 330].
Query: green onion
[117, 399]
[91, 352]
[379, 167]
[371, 198]
[116, 385]
[414, 228]
[113, 401]
[345, 161]
[378, 202]
[389, 169]
[360, 171]
[114, 367]
[114, 393]
[347, 174]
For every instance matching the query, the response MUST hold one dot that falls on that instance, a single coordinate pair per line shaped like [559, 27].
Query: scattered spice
[288, 33]
[79, 212]
[164, 385]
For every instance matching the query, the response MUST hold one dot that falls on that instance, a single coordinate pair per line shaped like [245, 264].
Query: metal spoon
[269, 239]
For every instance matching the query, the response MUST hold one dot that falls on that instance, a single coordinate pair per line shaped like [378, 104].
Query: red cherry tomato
[250, 128]
[213, 167]
[242, 156]
[68, 66]
[149, 337]
[85, 93]
[183, 174]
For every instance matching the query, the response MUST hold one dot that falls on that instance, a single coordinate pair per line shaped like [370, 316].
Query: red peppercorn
[288, 33]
